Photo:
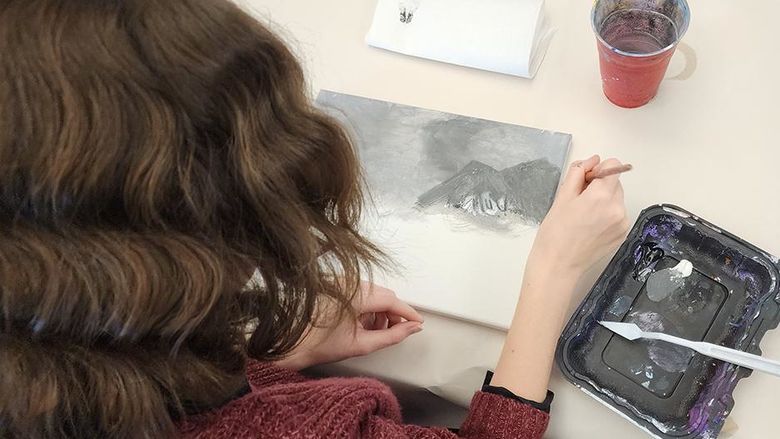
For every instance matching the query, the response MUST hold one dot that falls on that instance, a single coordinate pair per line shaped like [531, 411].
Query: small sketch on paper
[406, 9]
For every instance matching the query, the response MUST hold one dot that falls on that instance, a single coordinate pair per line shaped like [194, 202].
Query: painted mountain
[525, 190]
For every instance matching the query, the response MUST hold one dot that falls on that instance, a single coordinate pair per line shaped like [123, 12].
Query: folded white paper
[505, 36]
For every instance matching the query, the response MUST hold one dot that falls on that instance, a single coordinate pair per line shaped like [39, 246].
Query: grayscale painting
[477, 172]
[455, 202]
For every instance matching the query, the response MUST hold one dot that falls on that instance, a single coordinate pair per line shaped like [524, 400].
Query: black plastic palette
[732, 298]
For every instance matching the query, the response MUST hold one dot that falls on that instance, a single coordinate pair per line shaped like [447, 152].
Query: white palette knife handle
[740, 358]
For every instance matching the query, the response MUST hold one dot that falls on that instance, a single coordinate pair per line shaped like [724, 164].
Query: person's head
[152, 155]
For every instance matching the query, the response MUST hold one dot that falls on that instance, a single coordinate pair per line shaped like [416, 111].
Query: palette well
[730, 297]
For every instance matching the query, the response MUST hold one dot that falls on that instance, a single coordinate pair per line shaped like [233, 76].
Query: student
[153, 154]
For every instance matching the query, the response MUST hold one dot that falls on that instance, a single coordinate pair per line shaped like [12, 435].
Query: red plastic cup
[636, 41]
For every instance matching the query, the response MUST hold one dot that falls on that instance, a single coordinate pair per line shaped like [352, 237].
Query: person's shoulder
[260, 374]
[329, 391]
[264, 375]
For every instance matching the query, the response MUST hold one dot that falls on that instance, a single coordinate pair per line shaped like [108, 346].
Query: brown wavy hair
[153, 155]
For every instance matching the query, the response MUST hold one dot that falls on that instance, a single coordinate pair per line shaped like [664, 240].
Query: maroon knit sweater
[285, 404]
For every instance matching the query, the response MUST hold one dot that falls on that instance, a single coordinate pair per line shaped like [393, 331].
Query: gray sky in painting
[406, 151]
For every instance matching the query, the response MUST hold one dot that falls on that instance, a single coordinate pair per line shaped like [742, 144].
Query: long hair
[153, 155]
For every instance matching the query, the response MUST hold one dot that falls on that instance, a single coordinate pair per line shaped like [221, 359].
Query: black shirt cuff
[543, 406]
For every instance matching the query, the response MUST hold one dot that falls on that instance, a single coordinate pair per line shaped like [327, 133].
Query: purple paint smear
[710, 410]
[660, 232]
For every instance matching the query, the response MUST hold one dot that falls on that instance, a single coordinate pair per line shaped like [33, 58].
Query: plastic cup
[636, 41]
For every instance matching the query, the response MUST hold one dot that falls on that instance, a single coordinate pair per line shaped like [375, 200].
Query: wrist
[556, 249]
[549, 264]
[548, 286]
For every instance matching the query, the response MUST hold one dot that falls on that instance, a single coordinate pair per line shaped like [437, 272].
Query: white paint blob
[684, 268]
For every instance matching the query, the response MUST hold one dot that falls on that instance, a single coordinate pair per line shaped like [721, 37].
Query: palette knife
[632, 332]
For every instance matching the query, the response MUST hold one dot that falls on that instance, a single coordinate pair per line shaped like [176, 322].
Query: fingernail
[417, 329]
[577, 164]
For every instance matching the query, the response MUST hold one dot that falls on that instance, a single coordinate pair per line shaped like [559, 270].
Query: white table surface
[707, 143]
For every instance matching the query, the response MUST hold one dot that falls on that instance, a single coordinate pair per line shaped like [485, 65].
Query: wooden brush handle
[601, 173]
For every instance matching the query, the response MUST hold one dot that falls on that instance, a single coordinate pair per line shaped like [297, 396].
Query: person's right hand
[586, 221]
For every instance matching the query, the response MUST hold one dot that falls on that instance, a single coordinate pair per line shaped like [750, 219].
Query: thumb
[371, 341]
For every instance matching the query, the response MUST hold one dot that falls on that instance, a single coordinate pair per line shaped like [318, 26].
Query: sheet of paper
[505, 36]
[455, 201]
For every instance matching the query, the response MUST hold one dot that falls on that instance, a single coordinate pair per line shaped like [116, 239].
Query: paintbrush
[601, 173]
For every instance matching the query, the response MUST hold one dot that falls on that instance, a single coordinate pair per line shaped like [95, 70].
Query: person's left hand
[383, 320]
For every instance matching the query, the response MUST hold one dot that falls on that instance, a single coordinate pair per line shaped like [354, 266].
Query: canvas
[454, 200]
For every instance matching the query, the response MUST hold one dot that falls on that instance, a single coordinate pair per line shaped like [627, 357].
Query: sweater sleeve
[286, 404]
[491, 416]
[495, 416]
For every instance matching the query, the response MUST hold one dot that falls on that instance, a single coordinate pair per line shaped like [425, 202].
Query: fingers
[367, 320]
[382, 300]
[371, 341]
[609, 183]
[381, 321]
[574, 182]
[393, 320]
[605, 195]
[587, 164]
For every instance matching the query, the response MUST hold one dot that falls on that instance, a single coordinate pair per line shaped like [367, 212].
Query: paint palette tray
[731, 298]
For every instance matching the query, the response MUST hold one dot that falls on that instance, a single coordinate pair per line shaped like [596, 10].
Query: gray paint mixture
[663, 283]
[417, 160]
[669, 357]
